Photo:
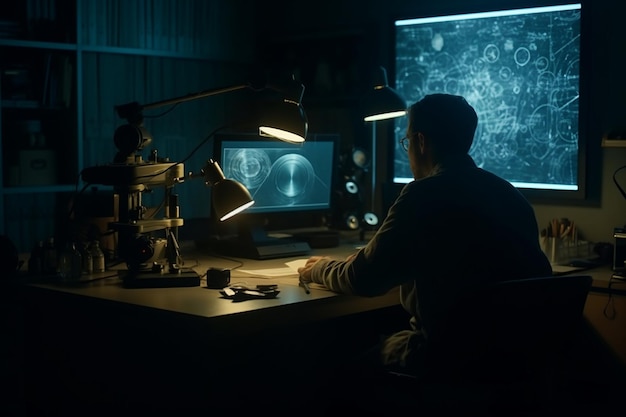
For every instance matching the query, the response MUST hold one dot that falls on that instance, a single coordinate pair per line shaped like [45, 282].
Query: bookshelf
[67, 63]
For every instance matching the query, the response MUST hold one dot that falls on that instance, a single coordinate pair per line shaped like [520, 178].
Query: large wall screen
[520, 70]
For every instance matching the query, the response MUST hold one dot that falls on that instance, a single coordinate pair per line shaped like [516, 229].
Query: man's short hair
[447, 119]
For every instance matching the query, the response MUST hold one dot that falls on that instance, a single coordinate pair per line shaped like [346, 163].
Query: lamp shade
[381, 101]
[285, 120]
[281, 115]
[229, 197]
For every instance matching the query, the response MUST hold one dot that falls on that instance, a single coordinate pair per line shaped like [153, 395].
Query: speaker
[347, 205]
[348, 213]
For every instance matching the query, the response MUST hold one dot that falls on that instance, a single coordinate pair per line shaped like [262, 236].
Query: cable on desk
[609, 309]
[237, 261]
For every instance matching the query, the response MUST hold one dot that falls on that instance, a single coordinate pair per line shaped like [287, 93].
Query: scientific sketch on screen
[519, 70]
[280, 178]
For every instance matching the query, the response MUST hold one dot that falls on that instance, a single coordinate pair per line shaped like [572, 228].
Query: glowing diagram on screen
[277, 177]
[519, 70]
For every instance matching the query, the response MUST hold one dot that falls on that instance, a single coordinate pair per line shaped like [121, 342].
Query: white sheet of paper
[296, 264]
[291, 270]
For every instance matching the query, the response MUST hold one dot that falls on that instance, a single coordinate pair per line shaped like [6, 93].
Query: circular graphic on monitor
[250, 167]
[293, 176]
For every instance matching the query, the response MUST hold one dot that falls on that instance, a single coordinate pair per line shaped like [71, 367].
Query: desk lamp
[130, 175]
[230, 197]
[282, 118]
[381, 102]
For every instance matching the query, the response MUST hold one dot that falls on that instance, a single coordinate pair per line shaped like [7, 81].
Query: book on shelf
[58, 81]
[20, 103]
[613, 143]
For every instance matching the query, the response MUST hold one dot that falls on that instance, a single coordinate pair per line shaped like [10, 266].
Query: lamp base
[158, 280]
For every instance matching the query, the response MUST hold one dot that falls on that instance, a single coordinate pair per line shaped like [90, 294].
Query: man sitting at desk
[455, 226]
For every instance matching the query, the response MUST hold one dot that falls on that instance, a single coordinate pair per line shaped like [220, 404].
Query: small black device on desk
[242, 293]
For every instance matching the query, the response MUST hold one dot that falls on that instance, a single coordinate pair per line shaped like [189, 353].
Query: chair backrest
[508, 330]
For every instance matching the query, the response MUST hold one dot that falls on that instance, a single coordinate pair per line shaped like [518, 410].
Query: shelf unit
[67, 63]
[613, 143]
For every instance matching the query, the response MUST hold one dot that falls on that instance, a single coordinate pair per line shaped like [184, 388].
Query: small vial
[50, 256]
[69, 264]
[35, 262]
[87, 260]
[97, 257]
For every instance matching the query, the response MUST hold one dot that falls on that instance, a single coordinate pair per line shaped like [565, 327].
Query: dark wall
[359, 37]
[327, 25]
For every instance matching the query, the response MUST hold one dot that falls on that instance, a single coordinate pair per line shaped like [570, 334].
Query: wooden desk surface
[209, 305]
[605, 313]
[131, 331]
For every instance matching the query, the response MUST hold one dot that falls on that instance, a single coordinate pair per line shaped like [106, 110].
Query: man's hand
[305, 271]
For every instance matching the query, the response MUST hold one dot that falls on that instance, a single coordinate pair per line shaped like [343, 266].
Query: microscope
[151, 261]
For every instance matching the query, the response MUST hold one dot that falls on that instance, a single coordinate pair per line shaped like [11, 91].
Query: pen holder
[562, 250]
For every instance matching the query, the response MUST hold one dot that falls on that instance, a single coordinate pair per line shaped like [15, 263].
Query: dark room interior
[193, 72]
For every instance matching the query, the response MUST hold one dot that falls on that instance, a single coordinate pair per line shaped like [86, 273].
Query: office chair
[499, 349]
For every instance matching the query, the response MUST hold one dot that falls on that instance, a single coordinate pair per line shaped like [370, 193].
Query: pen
[305, 286]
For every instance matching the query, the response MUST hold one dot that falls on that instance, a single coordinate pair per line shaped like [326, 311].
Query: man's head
[439, 125]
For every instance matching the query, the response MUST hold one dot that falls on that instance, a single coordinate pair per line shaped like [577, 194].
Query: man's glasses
[404, 142]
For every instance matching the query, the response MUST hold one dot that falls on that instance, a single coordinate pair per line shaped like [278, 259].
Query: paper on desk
[563, 269]
[291, 270]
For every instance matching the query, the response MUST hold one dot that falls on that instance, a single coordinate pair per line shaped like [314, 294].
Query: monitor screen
[291, 184]
[520, 70]
[281, 177]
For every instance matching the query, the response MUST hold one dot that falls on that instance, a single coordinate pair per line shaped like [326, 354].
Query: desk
[158, 349]
[141, 350]
[216, 312]
[605, 311]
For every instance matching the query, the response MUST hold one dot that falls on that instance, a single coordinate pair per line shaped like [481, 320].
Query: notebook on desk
[574, 265]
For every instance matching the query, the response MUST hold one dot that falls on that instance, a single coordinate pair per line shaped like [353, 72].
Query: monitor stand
[255, 243]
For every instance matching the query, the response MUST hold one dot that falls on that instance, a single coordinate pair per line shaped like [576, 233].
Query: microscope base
[159, 280]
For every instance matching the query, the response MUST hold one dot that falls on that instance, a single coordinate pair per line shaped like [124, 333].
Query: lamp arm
[132, 111]
[194, 96]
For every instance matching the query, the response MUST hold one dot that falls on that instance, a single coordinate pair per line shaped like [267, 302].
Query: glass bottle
[50, 257]
[77, 263]
[35, 262]
[97, 256]
[87, 259]
[70, 263]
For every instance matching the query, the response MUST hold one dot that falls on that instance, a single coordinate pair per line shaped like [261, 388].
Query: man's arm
[375, 269]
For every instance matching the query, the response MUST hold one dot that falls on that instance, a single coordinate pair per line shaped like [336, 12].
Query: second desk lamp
[381, 102]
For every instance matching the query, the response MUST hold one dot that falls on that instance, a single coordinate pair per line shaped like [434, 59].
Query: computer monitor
[291, 185]
[521, 70]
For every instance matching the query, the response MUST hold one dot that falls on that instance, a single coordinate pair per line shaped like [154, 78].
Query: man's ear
[421, 142]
